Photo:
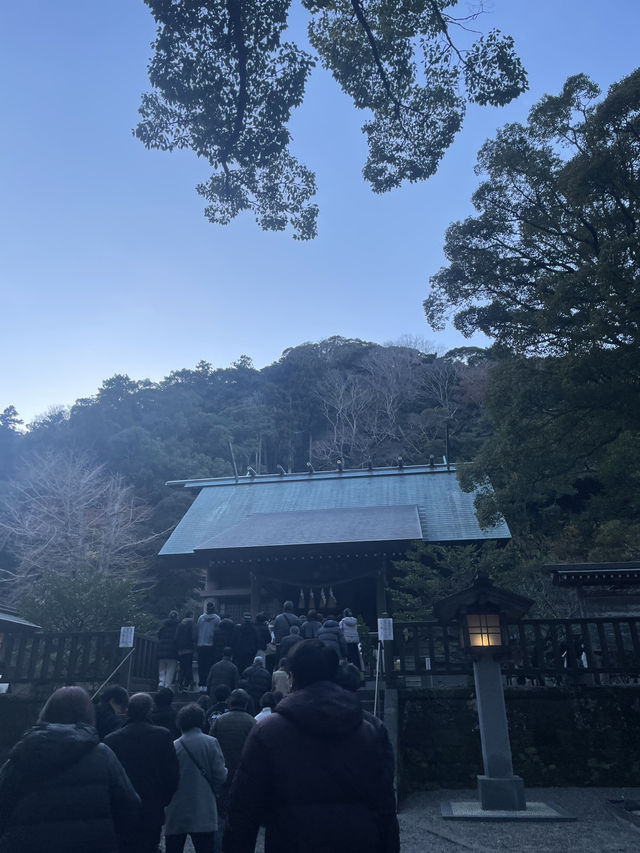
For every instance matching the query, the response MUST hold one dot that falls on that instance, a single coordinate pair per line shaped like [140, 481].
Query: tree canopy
[225, 82]
[551, 263]
[550, 268]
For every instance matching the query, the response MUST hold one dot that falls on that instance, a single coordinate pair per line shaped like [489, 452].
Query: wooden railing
[57, 658]
[541, 651]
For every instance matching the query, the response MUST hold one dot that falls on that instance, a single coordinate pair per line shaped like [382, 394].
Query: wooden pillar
[381, 592]
[254, 595]
[211, 587]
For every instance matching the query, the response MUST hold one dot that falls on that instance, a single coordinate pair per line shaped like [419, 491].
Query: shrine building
[323, 539]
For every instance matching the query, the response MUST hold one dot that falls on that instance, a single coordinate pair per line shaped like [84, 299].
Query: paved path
[596, 830]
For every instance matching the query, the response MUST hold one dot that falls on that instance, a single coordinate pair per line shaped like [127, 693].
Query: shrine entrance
[326, 539]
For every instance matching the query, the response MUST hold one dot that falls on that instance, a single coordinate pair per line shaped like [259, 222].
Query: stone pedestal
[501, 794]
[498, 789]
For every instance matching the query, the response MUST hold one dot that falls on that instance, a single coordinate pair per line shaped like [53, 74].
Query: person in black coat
[167, 651]
[263, 633]
[147, 754]
[290, 641]
[61, 790]
[164, 714]
[245, 645]
[311, 626]
[331, 635]
[223, 638]
[223, 672]
[257, 680]
[347, 803]
[231, 730]
[185, 644]
[111, 709]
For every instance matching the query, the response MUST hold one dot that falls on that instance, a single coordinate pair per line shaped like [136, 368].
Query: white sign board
[385, 630]
[427, 663]
[126, 636]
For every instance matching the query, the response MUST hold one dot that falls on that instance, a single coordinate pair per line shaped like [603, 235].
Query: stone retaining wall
[580, 736]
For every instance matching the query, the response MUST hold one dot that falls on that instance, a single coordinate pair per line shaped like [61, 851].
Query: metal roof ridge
[298, 476]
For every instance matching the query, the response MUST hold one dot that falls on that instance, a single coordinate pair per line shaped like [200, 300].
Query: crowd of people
[217, 644]
[291, 750]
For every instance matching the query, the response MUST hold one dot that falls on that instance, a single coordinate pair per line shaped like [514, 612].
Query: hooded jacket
[206, 628]
[349, 628]
[63, 791]
[347, 801]
[332, 636]
[258, 680]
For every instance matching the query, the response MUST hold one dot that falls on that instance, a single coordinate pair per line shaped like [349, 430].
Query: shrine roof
[10, 621]
[351, 506]
[621, 574]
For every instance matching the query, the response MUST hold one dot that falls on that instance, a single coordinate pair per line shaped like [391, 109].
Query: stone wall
[581, 736]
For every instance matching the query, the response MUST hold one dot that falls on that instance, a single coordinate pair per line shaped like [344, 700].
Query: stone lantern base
[506, 794]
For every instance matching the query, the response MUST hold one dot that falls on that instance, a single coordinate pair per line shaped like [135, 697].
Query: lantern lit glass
[484, 630]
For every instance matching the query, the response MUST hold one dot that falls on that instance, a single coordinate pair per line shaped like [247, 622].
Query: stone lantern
[482, 613]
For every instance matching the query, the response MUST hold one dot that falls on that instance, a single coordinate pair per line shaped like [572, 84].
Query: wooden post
[254, 595]
[382, 612]
[381, 593]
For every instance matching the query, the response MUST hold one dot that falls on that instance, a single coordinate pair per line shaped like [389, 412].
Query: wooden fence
[541, 651]
[44, 658]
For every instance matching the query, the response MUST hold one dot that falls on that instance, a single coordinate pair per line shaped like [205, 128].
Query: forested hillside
[84, 489]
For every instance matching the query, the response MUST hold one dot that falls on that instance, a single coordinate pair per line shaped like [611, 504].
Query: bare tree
[345, 399]
[62, 514]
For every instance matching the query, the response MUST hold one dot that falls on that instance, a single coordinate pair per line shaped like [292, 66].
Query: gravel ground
[596, 830]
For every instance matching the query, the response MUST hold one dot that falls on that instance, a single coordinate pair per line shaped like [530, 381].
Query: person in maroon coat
[346, 803]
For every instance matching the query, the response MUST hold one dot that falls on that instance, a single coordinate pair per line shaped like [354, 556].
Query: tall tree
[551, 264]
[10, 424]
[550, 267]
[225, 84]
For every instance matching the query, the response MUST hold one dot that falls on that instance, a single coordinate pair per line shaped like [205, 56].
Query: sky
[107, 263]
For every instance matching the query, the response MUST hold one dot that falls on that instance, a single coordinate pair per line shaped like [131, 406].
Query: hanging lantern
[331, 601]
[312, 600]
[301, 600]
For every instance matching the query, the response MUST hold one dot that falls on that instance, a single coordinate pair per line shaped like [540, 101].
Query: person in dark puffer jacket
[311, 626]
[61, 790]
[223, 638]
[346, 803]
[167, 653]
[331, 635]
[257, 681]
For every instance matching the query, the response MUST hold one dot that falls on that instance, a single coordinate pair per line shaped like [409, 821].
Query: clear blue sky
[107, 264]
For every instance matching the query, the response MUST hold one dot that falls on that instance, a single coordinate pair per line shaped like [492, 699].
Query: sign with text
[126, 636]
[385, 630]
